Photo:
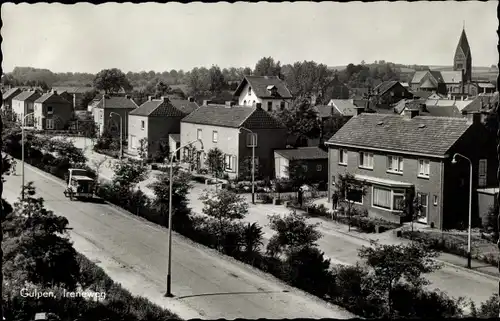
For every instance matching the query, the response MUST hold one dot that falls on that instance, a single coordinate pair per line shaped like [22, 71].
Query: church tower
[463, 57]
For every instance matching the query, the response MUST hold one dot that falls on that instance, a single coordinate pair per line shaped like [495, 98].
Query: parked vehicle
[80, 185]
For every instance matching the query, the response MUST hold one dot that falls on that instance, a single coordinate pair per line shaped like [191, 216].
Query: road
[205, 284]
[342, 248]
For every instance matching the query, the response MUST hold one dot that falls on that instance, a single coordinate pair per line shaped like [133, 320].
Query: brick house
[7, 98]
[314, 160]
[24, 104]
[270, 91]
[218, 126]
[52, 112]
[394, 153]
[155, 120]
[116, 105]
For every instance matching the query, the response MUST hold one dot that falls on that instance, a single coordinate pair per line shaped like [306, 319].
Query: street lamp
[121, 132]
[22, 153]
[253, 161]
[454, 161]
[169, 269]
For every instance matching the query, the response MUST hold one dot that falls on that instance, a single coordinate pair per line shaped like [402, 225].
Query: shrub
[265, 198]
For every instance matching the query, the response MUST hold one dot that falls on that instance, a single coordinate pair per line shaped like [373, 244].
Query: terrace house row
[394, 154]
[220, 126]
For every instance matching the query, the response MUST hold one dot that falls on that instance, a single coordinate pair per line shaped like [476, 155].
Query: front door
[423, 200]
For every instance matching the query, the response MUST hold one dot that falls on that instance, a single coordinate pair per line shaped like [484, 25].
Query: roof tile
[259, 86]
[303, 153]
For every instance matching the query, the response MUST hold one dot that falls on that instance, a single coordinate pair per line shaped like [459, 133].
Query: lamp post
[454, 161]
[22, 154]
[169, 267]
[121, 132]
[253, 161]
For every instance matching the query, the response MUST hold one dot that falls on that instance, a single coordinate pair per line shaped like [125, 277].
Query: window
[50, 110]
[101, 114]
[319, 168]
[282, 105]
[198, 134]
[395, 164]
[269, 106]
[244, 102]
[423, 167]
[251, 140]
[215, 136]
[229, 162]
[366, 160]
[249, 90]
[354, 195]
[483, 170]
[142, 124]
[387, 198]
[49, 124]
[435, 200]
[424, 203]
[253, 102]
[342, 157]
[304, 168]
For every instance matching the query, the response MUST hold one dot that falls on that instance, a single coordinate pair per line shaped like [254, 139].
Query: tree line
[302, 77]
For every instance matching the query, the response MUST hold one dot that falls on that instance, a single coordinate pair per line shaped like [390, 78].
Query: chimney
[409, 113]
[150, 98]
[127, 96]
[258, 105]
[164, 98]
[473, 117]
[191, 99]
[206, 102]
[332, 111]
[55, 92]
[359, 110]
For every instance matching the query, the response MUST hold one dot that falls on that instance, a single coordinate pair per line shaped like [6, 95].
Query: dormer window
[249, 90]
[272, 90]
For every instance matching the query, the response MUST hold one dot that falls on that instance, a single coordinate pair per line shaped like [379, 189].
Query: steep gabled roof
[235, 116]
[27, 95]
[11, 93]
[158, 108]
[428, 84]
[259, 86]
[303, 153]
[385, 86]
[116, 102]
[51, 97]
[344, 106]
[421, 134]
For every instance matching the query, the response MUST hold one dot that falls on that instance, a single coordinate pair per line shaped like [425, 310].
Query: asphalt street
[202, 280]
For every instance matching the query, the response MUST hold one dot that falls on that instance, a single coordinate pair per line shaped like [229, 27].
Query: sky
[141, 37]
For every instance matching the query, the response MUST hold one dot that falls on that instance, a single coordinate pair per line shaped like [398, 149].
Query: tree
[245, 170]
[224, 207]
[217, 81]
[111, 81]
[252, 238]
[301, 120]
[348, 189]
[2, 214]
[293, 234]
[181, 184]
[198, 81]
[143, 149]
[392, 264]
[331, 125]
[128, 173]
[96, 165]
[266, 66]
[162, 89]
[411, 207]
[307, 78]
[37, 243]
[297, 173]
[215, 162]
[190, 156]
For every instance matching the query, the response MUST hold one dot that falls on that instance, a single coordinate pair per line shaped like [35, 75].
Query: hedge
[448, 244]
[119, 304]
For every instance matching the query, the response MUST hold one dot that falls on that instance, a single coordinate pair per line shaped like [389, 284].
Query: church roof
[463, 44]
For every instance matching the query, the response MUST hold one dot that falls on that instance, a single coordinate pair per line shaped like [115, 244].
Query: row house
[270, 91]
[23, 104]
[7, 97]
[394, 154]
[51, 111]
[154, 121]
[111, 111]
[221, 126]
